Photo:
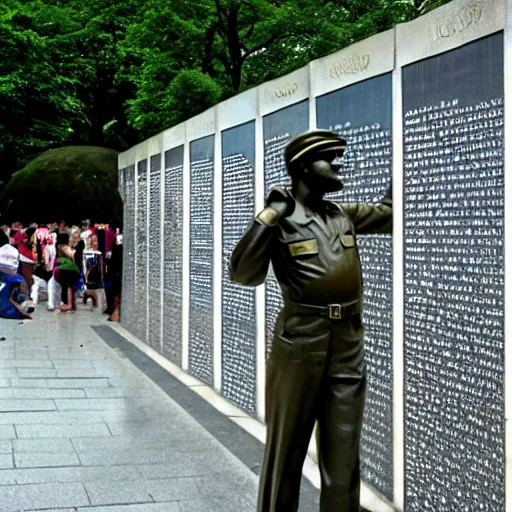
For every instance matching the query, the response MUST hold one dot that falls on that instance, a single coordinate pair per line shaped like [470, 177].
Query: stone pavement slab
[66, 430]
[7, 432]
[68, 474]
[82, 428]
[42, 446]
[51, 393]
[6, 461]
[9, 373]
[26, 405]
[45, 460]
[42, 496]
[49, 418]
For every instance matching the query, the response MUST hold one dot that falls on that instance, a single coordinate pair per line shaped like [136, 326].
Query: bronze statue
[316, 370]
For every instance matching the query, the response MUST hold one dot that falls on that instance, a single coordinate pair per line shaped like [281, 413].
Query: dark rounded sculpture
[70, 183]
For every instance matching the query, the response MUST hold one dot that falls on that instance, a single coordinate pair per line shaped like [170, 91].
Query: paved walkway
[82, 428]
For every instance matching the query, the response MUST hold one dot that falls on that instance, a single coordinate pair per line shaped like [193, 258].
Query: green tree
[59, 62]
[103, 27]
[189, 93]
[240, 44]
[113, 73]
[166, 40]
[38, 101]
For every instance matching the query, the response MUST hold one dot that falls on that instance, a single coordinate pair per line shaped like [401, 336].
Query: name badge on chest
[304, 248]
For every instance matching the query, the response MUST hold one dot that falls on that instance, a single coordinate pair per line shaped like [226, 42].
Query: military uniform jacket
[315, 258]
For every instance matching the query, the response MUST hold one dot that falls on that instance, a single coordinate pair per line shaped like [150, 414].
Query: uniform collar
[302, 217]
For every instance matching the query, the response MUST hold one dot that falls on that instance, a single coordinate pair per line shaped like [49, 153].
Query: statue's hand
[281, 201]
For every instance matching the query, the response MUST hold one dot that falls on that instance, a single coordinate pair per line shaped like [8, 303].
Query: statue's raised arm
[370, 218]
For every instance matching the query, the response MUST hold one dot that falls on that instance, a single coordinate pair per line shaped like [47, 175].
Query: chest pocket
[348, 241]
[303, 248]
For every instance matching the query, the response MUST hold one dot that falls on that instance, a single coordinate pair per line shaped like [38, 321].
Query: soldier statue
[316, 370]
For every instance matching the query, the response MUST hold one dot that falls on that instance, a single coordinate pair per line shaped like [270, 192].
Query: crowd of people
[57, 264]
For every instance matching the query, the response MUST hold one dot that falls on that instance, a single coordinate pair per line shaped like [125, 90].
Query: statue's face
[321, 171]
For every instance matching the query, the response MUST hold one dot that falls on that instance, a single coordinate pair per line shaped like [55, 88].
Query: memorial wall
[173, 254]
[238, 303]
[201, 259]
[140, 310]
[454, 311]
[128, 288]
[362, 114]
[278, 129]
[422, 104]
[154, 262]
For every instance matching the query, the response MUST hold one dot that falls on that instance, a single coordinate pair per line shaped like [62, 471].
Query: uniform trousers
[315, 373]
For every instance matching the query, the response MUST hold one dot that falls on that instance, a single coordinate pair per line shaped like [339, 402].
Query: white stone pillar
[217, 258]
[259, 204]
[508, 256]
[398, 294]
[186, 250]
[162, 241]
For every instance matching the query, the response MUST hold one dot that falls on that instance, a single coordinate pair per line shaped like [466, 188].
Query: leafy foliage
[113, 73]
[58, 63]
[38, 104]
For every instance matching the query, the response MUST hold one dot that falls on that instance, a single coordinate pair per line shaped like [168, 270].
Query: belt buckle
[335, 311]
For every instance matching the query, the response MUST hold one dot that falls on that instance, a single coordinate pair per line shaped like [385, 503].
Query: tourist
[66, 272]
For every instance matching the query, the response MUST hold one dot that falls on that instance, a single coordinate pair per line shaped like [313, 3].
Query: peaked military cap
[311, 141]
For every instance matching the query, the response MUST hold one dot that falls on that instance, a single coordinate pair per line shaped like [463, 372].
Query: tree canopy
[113, 73]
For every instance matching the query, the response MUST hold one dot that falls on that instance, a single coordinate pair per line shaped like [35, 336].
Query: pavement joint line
[29, 468]
[87, 493]
[76, 451]
[31, 410]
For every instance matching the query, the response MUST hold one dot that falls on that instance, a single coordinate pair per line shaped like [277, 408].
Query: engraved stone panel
[362, 114]
[201, 259]
[238, 302]
[141, 260]
[454, 280]
[278, 129]
[128, 288]
[154, 256]
[173, 255]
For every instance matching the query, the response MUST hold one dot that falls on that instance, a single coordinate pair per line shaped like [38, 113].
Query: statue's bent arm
[251, 257]
[371, 218]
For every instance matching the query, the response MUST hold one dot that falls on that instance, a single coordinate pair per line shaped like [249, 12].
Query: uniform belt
[331, 311]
